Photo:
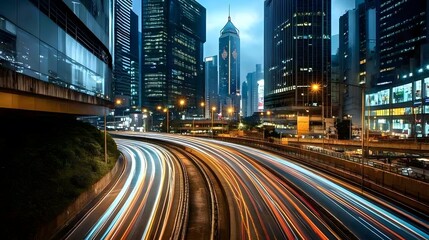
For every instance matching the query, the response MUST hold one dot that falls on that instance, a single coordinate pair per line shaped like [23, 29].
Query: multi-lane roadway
[244, 193]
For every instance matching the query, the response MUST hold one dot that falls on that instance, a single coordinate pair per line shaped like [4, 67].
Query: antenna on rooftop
[229, 12]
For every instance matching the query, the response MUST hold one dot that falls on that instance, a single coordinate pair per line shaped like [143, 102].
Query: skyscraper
[397, 99]
[135, 100]
[173, 33]
[357, 56]
[211, 82]
[229, 68]
[348, 55]
[297, 51]
[403, 30]
[244, 99]
[254, 101]
[122, 54]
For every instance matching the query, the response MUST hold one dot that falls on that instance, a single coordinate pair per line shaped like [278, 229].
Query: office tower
[60, 52]
[357, 56]
[255, 101]
[229, 68]
[211, 83]
[135, 99]
[403, 30]
[122, 55]
[396, 101]
[244, 99]
[173, 33]
[349, 65]
[297, 52]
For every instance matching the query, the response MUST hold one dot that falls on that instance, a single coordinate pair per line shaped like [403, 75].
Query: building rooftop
[229, 28]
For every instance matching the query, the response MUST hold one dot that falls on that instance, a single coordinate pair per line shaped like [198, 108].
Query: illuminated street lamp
[213, 109]
[315, 87]
[167, 113]
[230, 110]
[182, 104]
[168, 118]
[202, 104]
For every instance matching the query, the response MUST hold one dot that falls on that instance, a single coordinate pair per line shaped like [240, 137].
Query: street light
[167, 113]
[362, 87]
[315, 87]
[202, 104]
[230, 110]
[182, 103]
[168, 117]
[213, 109]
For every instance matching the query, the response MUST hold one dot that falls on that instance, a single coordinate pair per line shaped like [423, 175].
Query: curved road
[271, 197]
[140, 205]
[266, 197]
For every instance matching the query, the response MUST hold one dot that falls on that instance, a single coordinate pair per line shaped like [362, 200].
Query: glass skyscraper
[64, 45]
[122, 53]
[211, 79]
[403, 30]
[173, 33]
[229, 68]
[297, 52]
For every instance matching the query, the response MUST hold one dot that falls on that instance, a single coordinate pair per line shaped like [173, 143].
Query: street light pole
[213, 109]
[168, 120]
[323, 116]
[362, 131]
[202, 108]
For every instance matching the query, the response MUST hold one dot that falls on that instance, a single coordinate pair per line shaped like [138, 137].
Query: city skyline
[248, 17]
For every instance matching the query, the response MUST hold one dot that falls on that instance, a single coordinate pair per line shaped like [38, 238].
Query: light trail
[142, 207]
[262, 182]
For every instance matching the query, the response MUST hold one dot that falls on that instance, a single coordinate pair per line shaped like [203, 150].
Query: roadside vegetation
[46, 163]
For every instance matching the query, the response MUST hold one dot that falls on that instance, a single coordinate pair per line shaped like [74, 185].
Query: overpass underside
[21, 92]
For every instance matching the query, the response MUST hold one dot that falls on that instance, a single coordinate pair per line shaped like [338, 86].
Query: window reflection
[56, 58]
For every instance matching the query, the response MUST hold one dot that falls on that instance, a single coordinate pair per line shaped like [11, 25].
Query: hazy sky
[248, 17]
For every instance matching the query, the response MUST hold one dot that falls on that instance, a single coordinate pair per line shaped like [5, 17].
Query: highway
[271, 197]
[248, 194]
[145, 202]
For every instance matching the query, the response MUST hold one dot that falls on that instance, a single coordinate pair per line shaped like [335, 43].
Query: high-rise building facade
[349, 66]
[122, 54]
[403, 31]
[397, 101]
[61, 53]
[211, 83]
[135, 98]
[173, 33]
[229, 68]
[297, 51]
[255, 102]
[244, 99]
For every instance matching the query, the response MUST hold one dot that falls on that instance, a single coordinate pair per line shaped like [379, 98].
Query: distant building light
[420, 70]
[405, 76]
[411, 74]
[427, 66]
